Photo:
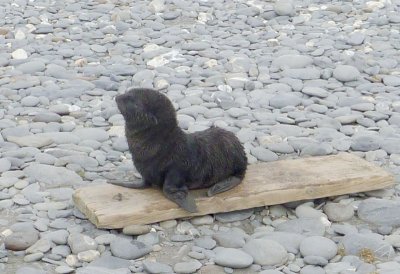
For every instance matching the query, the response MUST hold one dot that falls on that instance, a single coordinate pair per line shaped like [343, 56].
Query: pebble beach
[291, 79]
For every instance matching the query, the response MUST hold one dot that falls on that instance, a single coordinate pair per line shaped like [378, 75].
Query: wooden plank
[109, 206]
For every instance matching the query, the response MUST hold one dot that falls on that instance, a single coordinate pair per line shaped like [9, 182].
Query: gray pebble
[230, 239]
[187, 267]
[311, 269]
[79, 242]
[42, 245]
[318, 246]
[205, 242]
[129, 250]
[5, 165]
[305, 226]
[391, 80]
[284, 8]
[33, 257]
[96, 134]
[181, 238]
[263, 154]
[30, 101]
[302, 73]
[291, 60]
[337, 212]
[355, 243]
[234, 258]
[234, 216]
[290, 241]
[149, 239]
[266, 252]
[346, 73]
[379, 211]
[29, 270]
[54, 176]
[32, 67]
[365, 143]
[315, 260]
[110, 262]
[284, 100]
[136, 229]
[156, 267]
[315, 91]
[21, 240]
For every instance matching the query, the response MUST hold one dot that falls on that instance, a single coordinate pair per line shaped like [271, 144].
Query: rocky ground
[289, 78]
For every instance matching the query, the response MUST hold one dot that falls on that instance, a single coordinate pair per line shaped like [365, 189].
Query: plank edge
[307, 194]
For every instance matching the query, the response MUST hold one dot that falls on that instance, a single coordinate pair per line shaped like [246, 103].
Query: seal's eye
[134, 105]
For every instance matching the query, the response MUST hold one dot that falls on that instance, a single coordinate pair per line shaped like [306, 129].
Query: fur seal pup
[169, 158]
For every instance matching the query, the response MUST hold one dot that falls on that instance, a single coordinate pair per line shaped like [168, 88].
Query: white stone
[19, 54]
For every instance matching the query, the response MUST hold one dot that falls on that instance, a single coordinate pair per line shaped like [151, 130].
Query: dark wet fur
[169, 158]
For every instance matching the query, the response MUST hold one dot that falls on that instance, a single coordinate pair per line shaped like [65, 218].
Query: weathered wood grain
[109, 206]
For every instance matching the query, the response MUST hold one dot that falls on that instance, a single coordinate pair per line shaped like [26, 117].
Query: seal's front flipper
[175, 190]
[224, 185]
[135, 184]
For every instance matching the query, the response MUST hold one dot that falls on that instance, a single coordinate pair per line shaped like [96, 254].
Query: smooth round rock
[30, 101]
[187, 267]
[21, 240]
[380, 211]
[32, 67]
[42, 245]
[291, 60]
[202, 220]
[129, 250]
[304, 226]
[337, 212]
[33, 257]
[318, 246]
[136, 229]
[205, 242]
[29, 270]
[156, 267]
[311, 269]
[63, 269]
[365, 143]
[315, 260]
[266, 252]
[230, 239]
[271, 271]
[96, 134]
[5, 165]
[346, 73]
[234, 216]
[290, 241]
[79, 242]
[284, 8]
[234, 258]
[354, 243]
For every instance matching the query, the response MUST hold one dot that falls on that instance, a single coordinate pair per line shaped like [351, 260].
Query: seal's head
[144, 108]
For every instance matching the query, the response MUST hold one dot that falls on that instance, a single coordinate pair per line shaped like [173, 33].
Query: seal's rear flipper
[175, 189]
[184, 200]
[224, 185]
[135, 184]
